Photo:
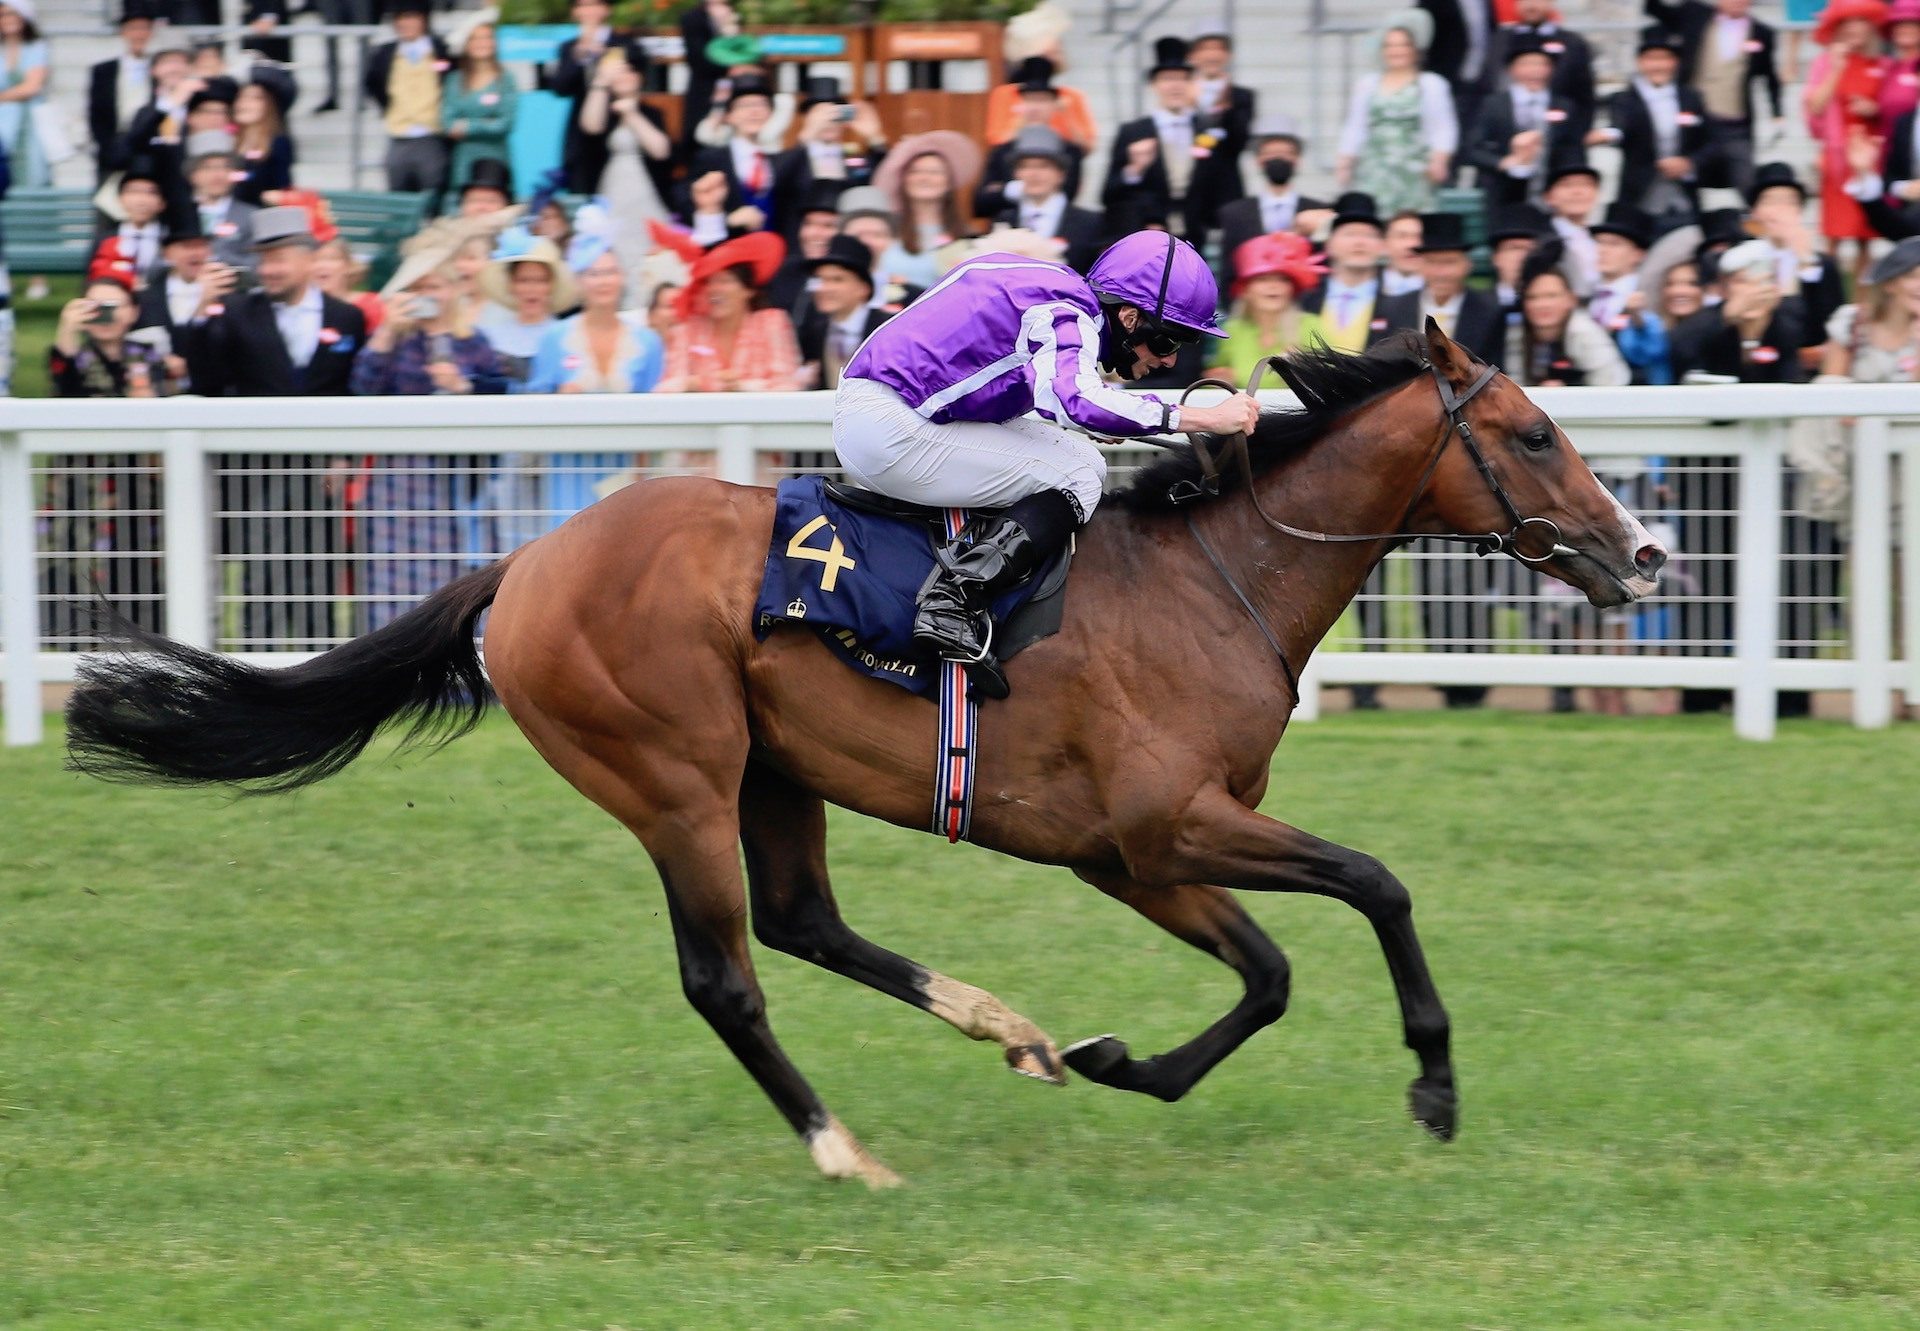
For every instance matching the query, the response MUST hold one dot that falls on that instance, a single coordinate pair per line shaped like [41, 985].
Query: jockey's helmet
[1168, 282]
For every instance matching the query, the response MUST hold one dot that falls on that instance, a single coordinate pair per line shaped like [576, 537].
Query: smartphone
[843, 114]
[244, 280]
[105, 311]
[423, 307]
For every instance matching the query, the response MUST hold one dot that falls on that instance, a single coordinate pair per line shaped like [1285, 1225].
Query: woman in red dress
[1843, 100]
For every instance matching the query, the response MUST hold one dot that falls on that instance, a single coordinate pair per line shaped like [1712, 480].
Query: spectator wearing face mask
[1277, 205]
[1751, 335]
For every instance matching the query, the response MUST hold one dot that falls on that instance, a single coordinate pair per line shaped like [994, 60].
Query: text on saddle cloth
[854, 575]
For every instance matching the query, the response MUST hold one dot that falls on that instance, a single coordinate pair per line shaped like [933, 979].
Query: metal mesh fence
[312, 550]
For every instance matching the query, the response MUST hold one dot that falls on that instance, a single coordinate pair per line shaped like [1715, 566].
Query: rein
[1235, 449]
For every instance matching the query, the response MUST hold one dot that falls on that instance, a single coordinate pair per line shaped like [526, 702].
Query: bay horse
[1134, 749]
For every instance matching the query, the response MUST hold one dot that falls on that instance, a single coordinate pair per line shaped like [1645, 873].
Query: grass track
[408, 1050]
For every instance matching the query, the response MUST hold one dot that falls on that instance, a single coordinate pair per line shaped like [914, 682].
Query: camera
[105, 311]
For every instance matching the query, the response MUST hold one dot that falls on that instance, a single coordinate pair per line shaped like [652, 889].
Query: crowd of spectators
[750, 238]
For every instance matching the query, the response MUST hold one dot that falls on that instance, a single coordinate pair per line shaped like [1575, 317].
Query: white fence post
[1910, 568]
[1756, 595]
[733, 450]
[19, 595]
[1871, 592]
[190, 569]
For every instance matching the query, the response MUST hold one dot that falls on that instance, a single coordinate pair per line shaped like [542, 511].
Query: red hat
[763, 250]
[319, 216]
[1284, 253]
[1873, 11]
[110, 263]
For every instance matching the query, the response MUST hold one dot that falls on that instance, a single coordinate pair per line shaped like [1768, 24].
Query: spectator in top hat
[1537, 22]
[1753, 334]
[1660, 126]
[405, 78]
[843, 141]
[1471, 318]
[841, 313]
[1619, 303]
[1038, 33]
[1215, 92]
[284, 337]
[1277, 205]
[479, 102]
[119, 87]
[571, 72]
[1525, 131]
[142, 210]
[1572, 196]
[172, 297]
[1179, 163]
[773, 183]
[224, 220]
[488, 188]
[1035, 110]
[1777, 210]
[792, 286]
[1036, 198]
[1401, 130]
[1512, 234]
[262, 146]
[1348, 302]
[1724, 51]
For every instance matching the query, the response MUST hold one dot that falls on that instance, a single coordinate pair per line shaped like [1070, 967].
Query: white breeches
[885, 445]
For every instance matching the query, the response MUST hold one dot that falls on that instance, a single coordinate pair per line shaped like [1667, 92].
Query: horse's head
[1600, 548]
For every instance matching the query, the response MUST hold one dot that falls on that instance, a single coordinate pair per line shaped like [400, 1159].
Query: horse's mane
[1329, 384]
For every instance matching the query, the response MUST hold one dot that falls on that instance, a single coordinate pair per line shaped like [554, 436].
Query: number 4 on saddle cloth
[849, 564]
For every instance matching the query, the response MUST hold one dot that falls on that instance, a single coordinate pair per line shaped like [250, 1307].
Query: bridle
[1234, 449]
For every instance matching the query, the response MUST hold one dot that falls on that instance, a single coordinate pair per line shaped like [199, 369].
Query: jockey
[933, 409]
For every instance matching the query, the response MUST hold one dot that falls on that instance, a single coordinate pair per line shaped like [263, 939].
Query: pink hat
[1902, 11]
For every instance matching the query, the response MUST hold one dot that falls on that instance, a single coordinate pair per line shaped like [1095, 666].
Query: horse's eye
[1540, 440]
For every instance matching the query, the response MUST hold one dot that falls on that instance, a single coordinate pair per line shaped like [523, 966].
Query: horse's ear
[1448, 356]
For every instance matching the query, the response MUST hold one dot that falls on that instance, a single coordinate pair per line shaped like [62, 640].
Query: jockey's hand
[1237, 415]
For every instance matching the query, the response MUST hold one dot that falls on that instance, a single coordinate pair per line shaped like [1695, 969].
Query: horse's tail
[178, 715]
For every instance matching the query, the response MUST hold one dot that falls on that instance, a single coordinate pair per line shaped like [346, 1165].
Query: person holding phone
[91, 356]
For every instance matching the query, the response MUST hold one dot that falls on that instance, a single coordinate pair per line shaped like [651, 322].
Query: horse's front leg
[1219, 840]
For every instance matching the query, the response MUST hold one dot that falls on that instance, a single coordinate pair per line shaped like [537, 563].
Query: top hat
[848, 253]
[1769, 175]
[1038, 141]
[1442, 231]
[1036, 75]
[822, 196]
[1518, 221]
[750, 85]
[488, 173]
[1623, 219]
[1169, 57]
[275, 227]
[219, 88]
[1720, 228]
[1577, 166]
[134, 10]
[184, 224]
[1656, 37]
[1355, 206]
[1528, 44]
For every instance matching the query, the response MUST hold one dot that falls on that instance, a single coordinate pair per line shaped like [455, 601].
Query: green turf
[408, 1050]
[33, 329]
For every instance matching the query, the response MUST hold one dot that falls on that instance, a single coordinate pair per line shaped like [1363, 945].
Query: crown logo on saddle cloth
[796, 609]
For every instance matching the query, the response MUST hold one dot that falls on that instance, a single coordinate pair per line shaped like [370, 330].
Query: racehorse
[1134, 749]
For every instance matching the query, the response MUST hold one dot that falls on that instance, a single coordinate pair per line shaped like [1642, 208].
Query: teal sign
[533, 43]
[815, 45]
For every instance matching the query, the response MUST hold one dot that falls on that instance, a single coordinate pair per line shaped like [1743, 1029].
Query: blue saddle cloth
[854, 576]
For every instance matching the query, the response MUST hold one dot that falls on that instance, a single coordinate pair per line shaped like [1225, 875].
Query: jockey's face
[1144, 361]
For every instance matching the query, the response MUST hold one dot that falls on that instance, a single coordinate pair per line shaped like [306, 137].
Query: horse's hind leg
[784, 831]
[1211, 920]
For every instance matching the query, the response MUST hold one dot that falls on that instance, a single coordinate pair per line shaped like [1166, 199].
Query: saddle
[849, 563]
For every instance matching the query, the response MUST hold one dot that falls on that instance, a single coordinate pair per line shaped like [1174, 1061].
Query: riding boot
[993, 554]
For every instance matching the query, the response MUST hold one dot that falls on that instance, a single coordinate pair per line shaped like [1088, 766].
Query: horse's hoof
[1434, 1106]
[839, 1155]
[1097, 1059]
[1039, 1061]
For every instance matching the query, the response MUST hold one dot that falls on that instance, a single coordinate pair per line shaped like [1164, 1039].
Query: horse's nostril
[1649, 559]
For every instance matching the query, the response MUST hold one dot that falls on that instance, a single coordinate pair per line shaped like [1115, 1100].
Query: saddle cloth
[849, 564]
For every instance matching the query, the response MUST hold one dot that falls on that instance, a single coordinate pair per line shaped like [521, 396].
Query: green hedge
[770, 13]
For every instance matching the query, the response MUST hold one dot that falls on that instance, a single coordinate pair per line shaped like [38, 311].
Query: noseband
[1453, 404]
